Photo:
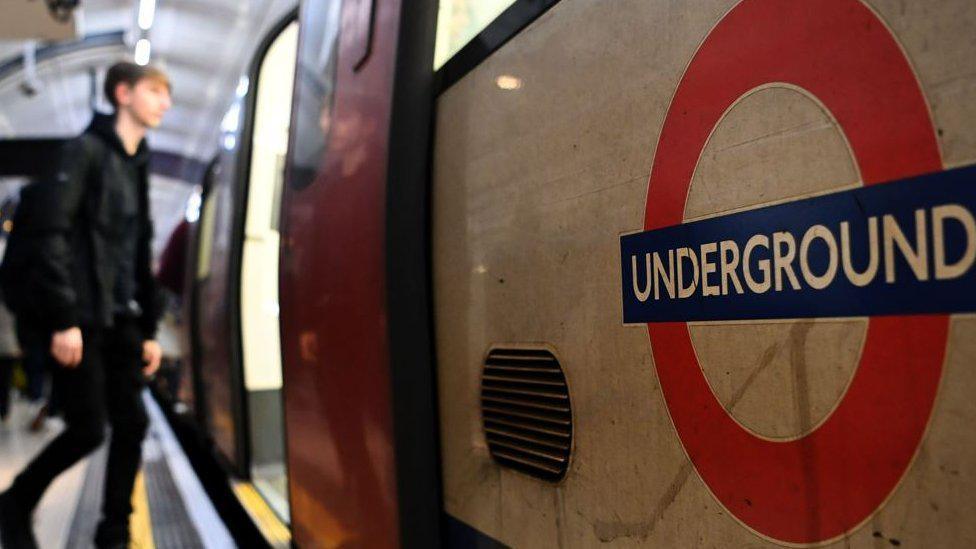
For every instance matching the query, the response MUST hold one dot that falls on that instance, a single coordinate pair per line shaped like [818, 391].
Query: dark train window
[458, 21]
[315, 80]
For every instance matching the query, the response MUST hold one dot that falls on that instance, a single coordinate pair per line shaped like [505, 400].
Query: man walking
[89, 285]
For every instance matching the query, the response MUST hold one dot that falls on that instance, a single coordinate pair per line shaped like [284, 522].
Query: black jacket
[71, 233]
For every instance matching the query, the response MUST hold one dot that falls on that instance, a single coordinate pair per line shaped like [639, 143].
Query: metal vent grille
[526, 412]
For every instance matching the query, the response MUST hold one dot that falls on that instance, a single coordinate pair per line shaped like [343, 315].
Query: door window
[458, 21]
[260, 333]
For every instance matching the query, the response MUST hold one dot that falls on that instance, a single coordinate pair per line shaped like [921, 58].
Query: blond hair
[130, 74]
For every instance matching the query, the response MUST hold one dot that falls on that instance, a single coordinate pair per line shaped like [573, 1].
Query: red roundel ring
[824, 484]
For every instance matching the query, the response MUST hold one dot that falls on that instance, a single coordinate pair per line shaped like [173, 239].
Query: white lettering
[729, 263]
[641, 295]
[944, 271]
[864, 277]
[757, 287]
[917, 259]
[661, 276]
[822, 281]
[782, 262]
[707, 268]
[687, 291]
[690, 272]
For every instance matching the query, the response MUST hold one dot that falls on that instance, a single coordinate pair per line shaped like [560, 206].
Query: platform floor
[172, 509]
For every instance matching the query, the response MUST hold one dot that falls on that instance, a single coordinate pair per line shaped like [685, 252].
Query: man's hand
[66, 347]
[152, 355]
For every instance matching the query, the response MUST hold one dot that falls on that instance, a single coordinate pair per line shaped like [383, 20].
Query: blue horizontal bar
[943, 279]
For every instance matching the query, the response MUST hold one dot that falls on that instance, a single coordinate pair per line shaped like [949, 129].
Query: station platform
[171, 507]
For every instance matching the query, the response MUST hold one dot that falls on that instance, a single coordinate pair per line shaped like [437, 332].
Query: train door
[200, 214]
[355, 342]
[218, 403]
[234, 294]
[260, 343]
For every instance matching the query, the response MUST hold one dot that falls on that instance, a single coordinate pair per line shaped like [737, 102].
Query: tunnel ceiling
[205, 46]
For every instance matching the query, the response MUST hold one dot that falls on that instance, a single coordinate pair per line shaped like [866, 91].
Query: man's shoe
[40, 420]
[117, 544]
[112, 537]
[15, 524]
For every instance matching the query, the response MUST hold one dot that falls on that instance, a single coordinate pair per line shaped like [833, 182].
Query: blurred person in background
[37, 363]
[19, 339]
[9, 357]
[9, 349]
[83, 284]
[171, 278]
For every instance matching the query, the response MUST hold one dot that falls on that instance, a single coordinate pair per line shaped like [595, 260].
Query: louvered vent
[526, 412]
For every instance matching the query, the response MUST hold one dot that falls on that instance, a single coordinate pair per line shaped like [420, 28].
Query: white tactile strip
[171, 525]
[182, 483]
[180, 511]
[89, 502]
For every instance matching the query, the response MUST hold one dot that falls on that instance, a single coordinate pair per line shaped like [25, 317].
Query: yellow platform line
[140, 525]
[275, 531]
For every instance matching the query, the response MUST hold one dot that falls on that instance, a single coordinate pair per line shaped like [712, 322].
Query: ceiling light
[147, 11]
[193, 205]
[508, 82]
[142, 51]
[242, 86]
[232, 118]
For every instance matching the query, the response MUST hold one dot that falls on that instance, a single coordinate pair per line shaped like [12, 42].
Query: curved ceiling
[204, 46]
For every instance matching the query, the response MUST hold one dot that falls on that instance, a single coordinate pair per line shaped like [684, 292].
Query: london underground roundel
[899, 250]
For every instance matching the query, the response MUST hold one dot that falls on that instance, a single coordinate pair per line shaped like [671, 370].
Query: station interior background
[55, 95]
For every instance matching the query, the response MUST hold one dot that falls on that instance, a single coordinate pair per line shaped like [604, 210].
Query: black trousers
[106, 388]
[38, 364]
[35, 343]
[6, 371]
